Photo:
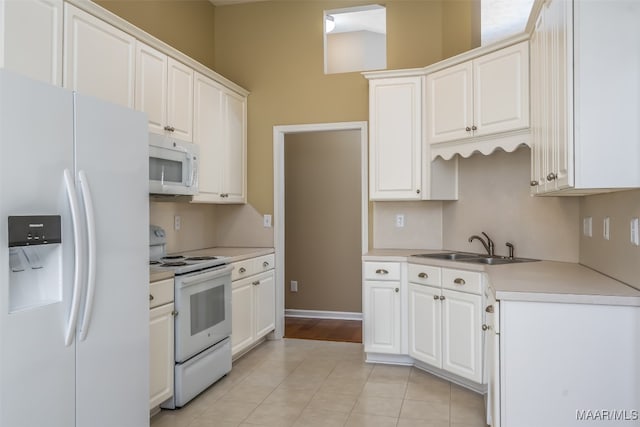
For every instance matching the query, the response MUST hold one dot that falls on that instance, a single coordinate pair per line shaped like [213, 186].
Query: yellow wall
[460, 26]
[185, 25]
[275, 50]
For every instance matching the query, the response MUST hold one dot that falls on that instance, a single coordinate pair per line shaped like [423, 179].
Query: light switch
[267, 221]
[400, 220]
[635, 237]
[177, 222]
[587, 226]
[606, 224]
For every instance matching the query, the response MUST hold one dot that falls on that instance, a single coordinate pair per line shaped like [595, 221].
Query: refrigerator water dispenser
[35, 264]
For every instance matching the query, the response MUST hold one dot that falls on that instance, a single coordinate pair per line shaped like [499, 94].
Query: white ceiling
[372, 18]
[503, 18]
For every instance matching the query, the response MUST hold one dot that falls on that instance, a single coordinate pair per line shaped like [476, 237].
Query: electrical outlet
[177, 222]
[587, 226]
[400, 220]
[635, 233]
[266, 221]
[294, 286]
[606, 232]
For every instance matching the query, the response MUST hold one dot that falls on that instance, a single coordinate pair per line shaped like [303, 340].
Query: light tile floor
[317, 383]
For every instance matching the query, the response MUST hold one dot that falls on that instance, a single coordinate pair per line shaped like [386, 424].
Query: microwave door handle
[194, 173]
[162, 177]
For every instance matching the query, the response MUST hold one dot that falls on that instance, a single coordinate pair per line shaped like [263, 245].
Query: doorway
[314, 263]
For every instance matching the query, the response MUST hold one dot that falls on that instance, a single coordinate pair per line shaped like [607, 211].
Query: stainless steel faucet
[488, 245]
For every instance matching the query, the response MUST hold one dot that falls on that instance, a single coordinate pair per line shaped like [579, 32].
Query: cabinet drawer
[382, 270]
[461, 280]
[242, 269]
[264, 263]
[424, 274]
[160, 292]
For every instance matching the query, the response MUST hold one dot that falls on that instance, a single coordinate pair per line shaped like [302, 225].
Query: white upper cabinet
[164, 90]
[585, 100]
[400, 166]
[99, 59]
[395, 117]
[31, 38]
[484, 96]
[220, 123]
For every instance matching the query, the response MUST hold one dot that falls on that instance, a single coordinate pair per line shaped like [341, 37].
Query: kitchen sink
[496, 260]
[475, 258]
[451, 256]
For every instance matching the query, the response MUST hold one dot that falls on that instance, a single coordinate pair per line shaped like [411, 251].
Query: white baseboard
[320, 314]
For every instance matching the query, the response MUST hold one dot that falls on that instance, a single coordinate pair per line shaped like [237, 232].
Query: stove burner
[173, 257]
[200, 258]
[173, 264]
[154, 262]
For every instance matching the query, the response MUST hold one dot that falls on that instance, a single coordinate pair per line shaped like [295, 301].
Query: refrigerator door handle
[91, 265]
[75, 299]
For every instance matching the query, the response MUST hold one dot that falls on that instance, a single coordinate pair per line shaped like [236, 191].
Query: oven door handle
[194, 279]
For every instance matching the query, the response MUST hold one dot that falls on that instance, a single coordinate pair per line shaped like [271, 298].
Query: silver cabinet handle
[242, 270]
[468, 129]
[459, 281]
[533, 183]
[474, 127]
[381, 271]
[174, 313]
[551, 176]
[423, 275]
[265, 264]
[436, 297]
[397, 290]
[256, 283]
[441, 297]
[418, 191]
[223, 195]
[169, 128]
[150, 297]
[489, 309]
[485, 327]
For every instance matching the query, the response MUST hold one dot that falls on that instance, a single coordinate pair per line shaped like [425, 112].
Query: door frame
[279, 133]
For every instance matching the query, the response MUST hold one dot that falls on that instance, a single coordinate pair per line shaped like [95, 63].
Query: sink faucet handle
[490, 243]
[511, 248]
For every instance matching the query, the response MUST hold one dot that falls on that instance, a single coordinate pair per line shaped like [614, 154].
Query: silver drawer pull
[436, 297]
[150, 297]
[256, 283]
[381, 271]
[486, 327]
[459, 281]
[441, 297]
[242, 270]
[423, 275]
[489, 309]
[265, 264]
[174, 313]
[397, 290]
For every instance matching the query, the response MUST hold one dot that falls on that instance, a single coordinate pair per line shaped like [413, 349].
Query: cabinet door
[235, 125]
[31, 38]
[538, 147]
[265, 303]
[395, 117]
[449, 95]
[501, 90]
[208, 131]
[99, 59]
[161, 359]
[462, 334]
[242, 317]
[151, 86]
[180, 100]
[381, 313]
[425, 324]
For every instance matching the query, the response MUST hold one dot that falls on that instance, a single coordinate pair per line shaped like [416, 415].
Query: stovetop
[180, 264]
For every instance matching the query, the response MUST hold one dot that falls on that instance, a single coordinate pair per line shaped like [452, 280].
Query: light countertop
[542, 281]
[236, 254]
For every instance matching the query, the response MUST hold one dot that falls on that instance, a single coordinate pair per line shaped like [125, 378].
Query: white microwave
[173, 166]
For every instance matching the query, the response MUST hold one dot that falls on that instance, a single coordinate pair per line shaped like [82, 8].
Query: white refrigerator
[74, 213]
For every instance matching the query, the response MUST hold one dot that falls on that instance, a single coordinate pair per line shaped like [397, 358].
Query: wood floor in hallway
[323, 329]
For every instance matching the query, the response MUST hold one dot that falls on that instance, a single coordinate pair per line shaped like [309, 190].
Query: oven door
[203, 302]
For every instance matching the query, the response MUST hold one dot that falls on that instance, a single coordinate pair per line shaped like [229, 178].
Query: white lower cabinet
[161, 339]
[445, 325]
[382, 307]
[253, 302]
